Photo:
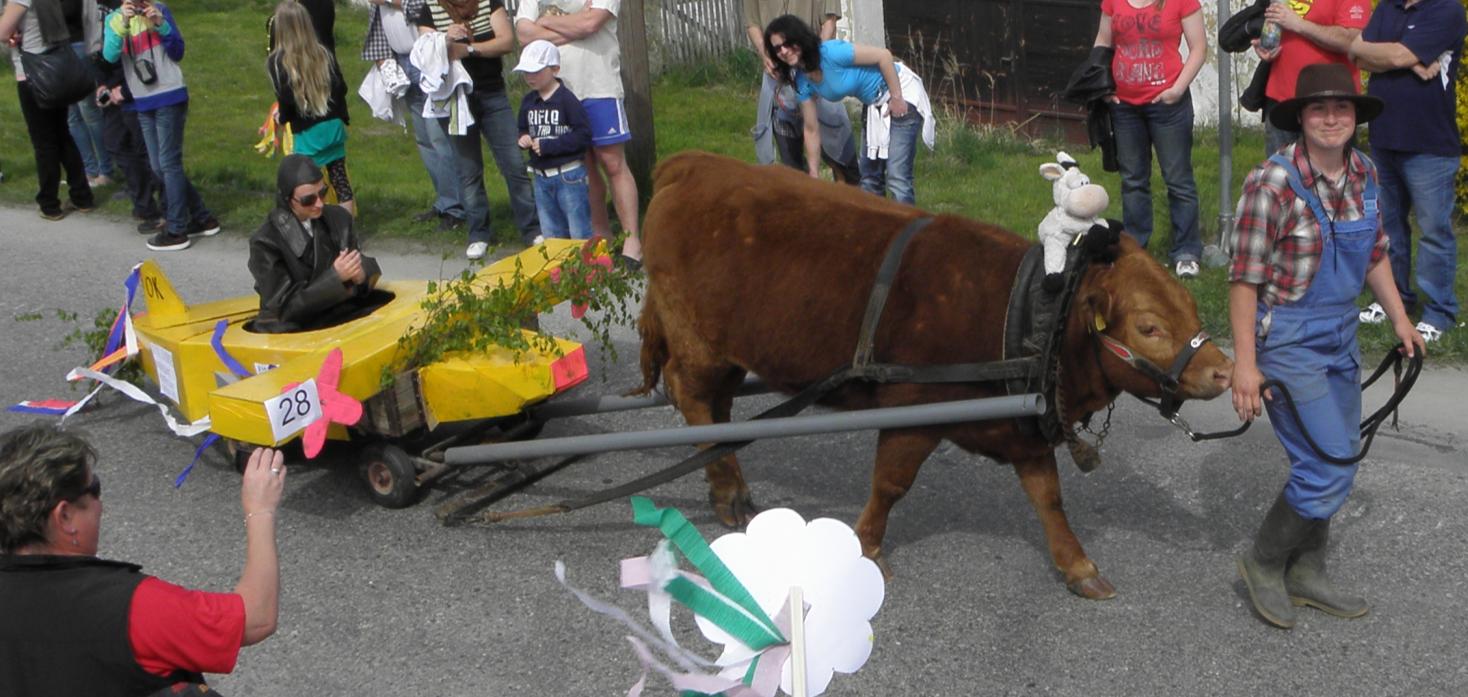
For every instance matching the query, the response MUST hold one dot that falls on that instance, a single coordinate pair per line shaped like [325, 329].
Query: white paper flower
[843, 591]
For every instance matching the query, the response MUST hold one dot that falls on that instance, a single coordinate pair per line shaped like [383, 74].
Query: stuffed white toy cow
[1078, 203]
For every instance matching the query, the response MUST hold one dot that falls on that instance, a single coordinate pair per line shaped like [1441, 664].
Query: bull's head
[1144, 325]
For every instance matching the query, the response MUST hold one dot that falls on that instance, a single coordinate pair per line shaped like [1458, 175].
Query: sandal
[1429, 333]
[1373, 314]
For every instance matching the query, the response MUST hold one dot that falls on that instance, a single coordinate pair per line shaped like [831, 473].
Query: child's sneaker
[168, 242]
[207, 227]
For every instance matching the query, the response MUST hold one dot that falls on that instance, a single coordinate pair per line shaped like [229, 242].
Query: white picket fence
[684, 32]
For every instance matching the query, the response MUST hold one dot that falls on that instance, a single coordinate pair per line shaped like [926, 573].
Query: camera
[104, 98]
[145, 72]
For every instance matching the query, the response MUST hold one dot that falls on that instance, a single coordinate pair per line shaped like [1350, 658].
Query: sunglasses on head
[93, 487]
[312, 199]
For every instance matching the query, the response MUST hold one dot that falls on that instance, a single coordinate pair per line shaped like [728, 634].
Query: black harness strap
[882, 288]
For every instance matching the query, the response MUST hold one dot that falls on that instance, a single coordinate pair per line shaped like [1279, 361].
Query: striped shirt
[1276, 242]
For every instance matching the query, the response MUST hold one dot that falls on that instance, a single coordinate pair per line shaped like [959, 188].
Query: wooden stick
[797, 641]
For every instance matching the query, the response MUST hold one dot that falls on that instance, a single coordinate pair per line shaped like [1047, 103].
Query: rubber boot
[1263, 567]
[1308, 584]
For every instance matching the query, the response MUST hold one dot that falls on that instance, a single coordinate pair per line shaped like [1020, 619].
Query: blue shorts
[608, 121]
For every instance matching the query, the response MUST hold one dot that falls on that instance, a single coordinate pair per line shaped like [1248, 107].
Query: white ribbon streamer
[181, 429]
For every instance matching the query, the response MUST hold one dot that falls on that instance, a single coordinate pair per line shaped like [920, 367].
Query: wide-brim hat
[1324, 81]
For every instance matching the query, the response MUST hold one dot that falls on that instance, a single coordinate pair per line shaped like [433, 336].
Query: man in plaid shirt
[1309, 238]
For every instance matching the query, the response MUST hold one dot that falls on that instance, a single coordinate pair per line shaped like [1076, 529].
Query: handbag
[58, 77]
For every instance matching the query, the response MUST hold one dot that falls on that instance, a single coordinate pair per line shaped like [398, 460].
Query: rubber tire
[390, 474]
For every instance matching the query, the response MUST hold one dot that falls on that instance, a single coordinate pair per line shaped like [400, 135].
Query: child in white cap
[556, 131]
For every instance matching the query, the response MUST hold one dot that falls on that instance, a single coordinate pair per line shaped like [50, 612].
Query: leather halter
[1170, 381]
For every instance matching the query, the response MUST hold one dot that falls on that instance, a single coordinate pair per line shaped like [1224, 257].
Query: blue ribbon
[198, 452]
[217, 341]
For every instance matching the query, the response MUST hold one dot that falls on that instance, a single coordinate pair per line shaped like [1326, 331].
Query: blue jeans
[1169, 129]
[435, 149]
[163, 132]
[1423, 184]
[564, 204]
[893, 174]
[494, 119]
[84, 120]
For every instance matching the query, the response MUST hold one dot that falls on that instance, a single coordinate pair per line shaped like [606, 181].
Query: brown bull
[764, 270]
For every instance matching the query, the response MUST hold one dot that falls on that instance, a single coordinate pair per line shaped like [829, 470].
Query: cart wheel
[522, 427]
[237, 453]
[391, 475]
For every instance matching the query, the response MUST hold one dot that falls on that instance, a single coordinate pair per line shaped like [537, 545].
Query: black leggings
[336, 174]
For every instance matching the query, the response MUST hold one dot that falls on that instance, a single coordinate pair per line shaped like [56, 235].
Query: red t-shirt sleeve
[1108, 8]
[172, 628]
[1353, 14]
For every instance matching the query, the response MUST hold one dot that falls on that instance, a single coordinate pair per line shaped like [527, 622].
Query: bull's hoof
[1086, 456]
[1092, 588]
[737, 513]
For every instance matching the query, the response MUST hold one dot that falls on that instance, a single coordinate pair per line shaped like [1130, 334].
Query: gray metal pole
[1213, 255]
[604, 404]
[861, 420]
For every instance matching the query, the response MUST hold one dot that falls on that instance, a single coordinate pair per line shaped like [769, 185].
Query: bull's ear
[1051, 171]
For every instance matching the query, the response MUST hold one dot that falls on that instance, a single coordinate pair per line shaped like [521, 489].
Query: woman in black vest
[79, 625]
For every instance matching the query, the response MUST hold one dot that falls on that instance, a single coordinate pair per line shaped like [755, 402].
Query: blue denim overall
[1309, 345]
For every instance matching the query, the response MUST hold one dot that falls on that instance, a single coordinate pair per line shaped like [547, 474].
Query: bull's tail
[654, 353]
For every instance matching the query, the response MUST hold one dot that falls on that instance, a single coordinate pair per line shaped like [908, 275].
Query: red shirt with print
[1296, 51]
[1147, 59]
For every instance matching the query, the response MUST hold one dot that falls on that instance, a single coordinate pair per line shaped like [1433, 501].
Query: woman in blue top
[897, 105]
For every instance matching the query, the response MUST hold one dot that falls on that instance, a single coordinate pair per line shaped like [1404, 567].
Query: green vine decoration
[93, 339]
[471, 315]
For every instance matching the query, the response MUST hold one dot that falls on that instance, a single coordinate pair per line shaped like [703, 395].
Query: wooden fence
[686, 32]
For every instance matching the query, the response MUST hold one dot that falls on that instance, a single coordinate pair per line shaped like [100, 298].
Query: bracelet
[248, 516]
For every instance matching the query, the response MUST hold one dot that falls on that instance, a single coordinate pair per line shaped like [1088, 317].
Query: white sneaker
[1187, 268]
[1429, 333]
[539, 239]
[1373, 314]
[476, 250]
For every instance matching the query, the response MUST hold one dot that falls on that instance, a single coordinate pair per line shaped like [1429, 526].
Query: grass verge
[980, 172]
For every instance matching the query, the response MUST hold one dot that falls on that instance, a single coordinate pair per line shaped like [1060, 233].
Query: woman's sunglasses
[93, 487]
[311, 199]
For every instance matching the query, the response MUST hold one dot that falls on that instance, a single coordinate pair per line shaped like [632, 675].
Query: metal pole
[1213, 255]
[605, 404]
[861, 420]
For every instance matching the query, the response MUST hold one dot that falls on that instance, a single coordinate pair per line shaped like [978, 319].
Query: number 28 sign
[292, 411]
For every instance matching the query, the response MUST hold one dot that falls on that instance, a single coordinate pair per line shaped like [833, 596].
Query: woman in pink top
[1152, 109]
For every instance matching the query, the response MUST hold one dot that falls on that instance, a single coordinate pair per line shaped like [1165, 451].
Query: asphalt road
[384, 602]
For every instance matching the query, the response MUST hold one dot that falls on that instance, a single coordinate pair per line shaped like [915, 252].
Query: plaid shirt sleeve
[376, 47]
[1257, 214]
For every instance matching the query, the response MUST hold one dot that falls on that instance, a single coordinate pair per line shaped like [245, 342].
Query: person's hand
[97, 98]
[117, 94]
[1286, 18]
[1247, 381]
[1112, 98]
[1412, 341]
[263, 483]
[1264, 55]
[129, 9]
[1427, 72]
[153, 14]
[1171, 95]
[535, 146]
[348, 266]
[524, 141]
[897, 107]
[458, 32]
[769, 65]
[814, 172]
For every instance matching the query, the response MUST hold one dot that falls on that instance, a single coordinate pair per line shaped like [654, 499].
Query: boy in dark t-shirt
[555, 129]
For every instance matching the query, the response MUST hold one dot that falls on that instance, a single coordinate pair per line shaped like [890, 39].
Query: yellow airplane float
[265, 389]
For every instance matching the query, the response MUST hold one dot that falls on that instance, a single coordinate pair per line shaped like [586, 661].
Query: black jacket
[1236, 36]
[1090, 85]
[293, 273]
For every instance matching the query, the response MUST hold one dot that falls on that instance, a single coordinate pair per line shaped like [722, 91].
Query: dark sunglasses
[93, 487]
[310, 199]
